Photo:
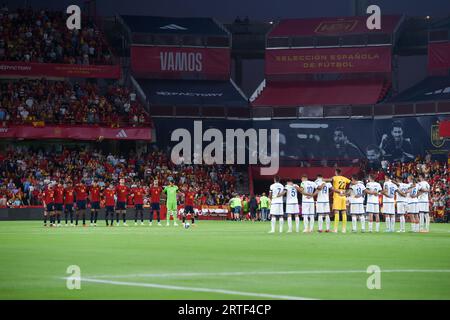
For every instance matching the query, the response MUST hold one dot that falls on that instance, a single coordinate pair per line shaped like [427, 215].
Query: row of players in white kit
[410, 198]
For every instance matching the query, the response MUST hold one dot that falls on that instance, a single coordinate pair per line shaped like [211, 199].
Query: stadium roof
[173, 26]
[193, 93]
[332, 26]
[336, 92]
[429, 89]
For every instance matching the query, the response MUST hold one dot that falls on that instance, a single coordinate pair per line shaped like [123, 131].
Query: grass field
[220, 260]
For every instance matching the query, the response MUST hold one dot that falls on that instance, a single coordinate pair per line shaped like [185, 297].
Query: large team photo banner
[180, 63]
[74, 132]
[328, 60]
[31, 69]
[398, 139]
[439, 57]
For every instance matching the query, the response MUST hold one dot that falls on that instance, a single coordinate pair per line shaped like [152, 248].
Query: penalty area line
[193, 289]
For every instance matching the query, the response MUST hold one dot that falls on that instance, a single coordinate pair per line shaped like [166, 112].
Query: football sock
[388, 223]
[377, 226]
[344, 220]
[76, 219]
[58, 217]
[273, 222]
[158, 216]
[421, 220]
[363, 223]
[370, 225]
[45, 219]
[84, 218]
[289, 221]
[427, 221]
[281, 221]
[311, 223]
[192, 219]
[327, 221]
[402, 222]
[117, 217]
[297, 223]
[336, 221]
[124, 217]
[320, 222]
[393, 223]
[184, 219]
[354, 221]
[305, 222]
[95, 216]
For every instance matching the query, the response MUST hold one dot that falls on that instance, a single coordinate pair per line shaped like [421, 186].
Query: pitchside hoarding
[328, 60]
[180, 62]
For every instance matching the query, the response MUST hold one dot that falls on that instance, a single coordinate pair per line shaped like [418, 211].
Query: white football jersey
[357, 190]
[291, 194]
[424, 186]
[324, 195]
[373, 186]
[403, 187]
[391, 189]
[412, 195]
[309, 187]
[276, 189]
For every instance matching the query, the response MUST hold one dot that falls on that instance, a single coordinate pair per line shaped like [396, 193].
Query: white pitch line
[194, 289]
[245, 273]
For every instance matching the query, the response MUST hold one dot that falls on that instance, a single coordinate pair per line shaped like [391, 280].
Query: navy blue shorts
[58, 207]
[81, 204]
[121, 205]
[139, 206]
[110, 209]
[95, 205]
[155, 206]
[188, 209]
[49, 207]
[237, 210]
[69, 207]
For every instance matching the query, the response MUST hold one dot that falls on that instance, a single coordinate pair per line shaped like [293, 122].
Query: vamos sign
[181, 61]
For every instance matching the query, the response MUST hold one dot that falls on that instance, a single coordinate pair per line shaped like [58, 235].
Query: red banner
[31, 69]
[74, 132]
[180, 63]
[444, 129]
[328, 60]
[439, 57]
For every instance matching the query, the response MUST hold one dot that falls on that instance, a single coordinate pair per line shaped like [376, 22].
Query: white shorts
[322, 207]
[373, 208]
[402, 207]
[424, 207]
[413, 208]
[292, 208]
[308, 208]
[388, 208]
[276, 209]
[356, 208]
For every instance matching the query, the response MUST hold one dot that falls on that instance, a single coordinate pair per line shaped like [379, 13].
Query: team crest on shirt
[436, 140]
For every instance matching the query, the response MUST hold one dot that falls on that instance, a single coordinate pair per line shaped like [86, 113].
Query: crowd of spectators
[437, 174]
[42, 36]
[24, 173]
[60, 102]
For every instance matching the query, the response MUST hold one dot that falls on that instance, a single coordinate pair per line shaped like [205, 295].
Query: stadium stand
[42, 36]
[25, 172]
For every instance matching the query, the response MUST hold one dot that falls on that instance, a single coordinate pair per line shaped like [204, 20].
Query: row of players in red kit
[59, 199]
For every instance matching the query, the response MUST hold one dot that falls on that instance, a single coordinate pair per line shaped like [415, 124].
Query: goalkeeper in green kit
[171, 202]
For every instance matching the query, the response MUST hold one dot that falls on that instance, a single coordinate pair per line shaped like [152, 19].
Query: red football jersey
[122, 192]
[189, 198]
[69, 196]
[94, 192]
[59, 194]
[81, 192]
[49, 196]
[138, 197]
[109, 197]
[155, 194]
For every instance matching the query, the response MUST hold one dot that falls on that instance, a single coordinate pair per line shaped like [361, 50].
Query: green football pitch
[220, 260]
